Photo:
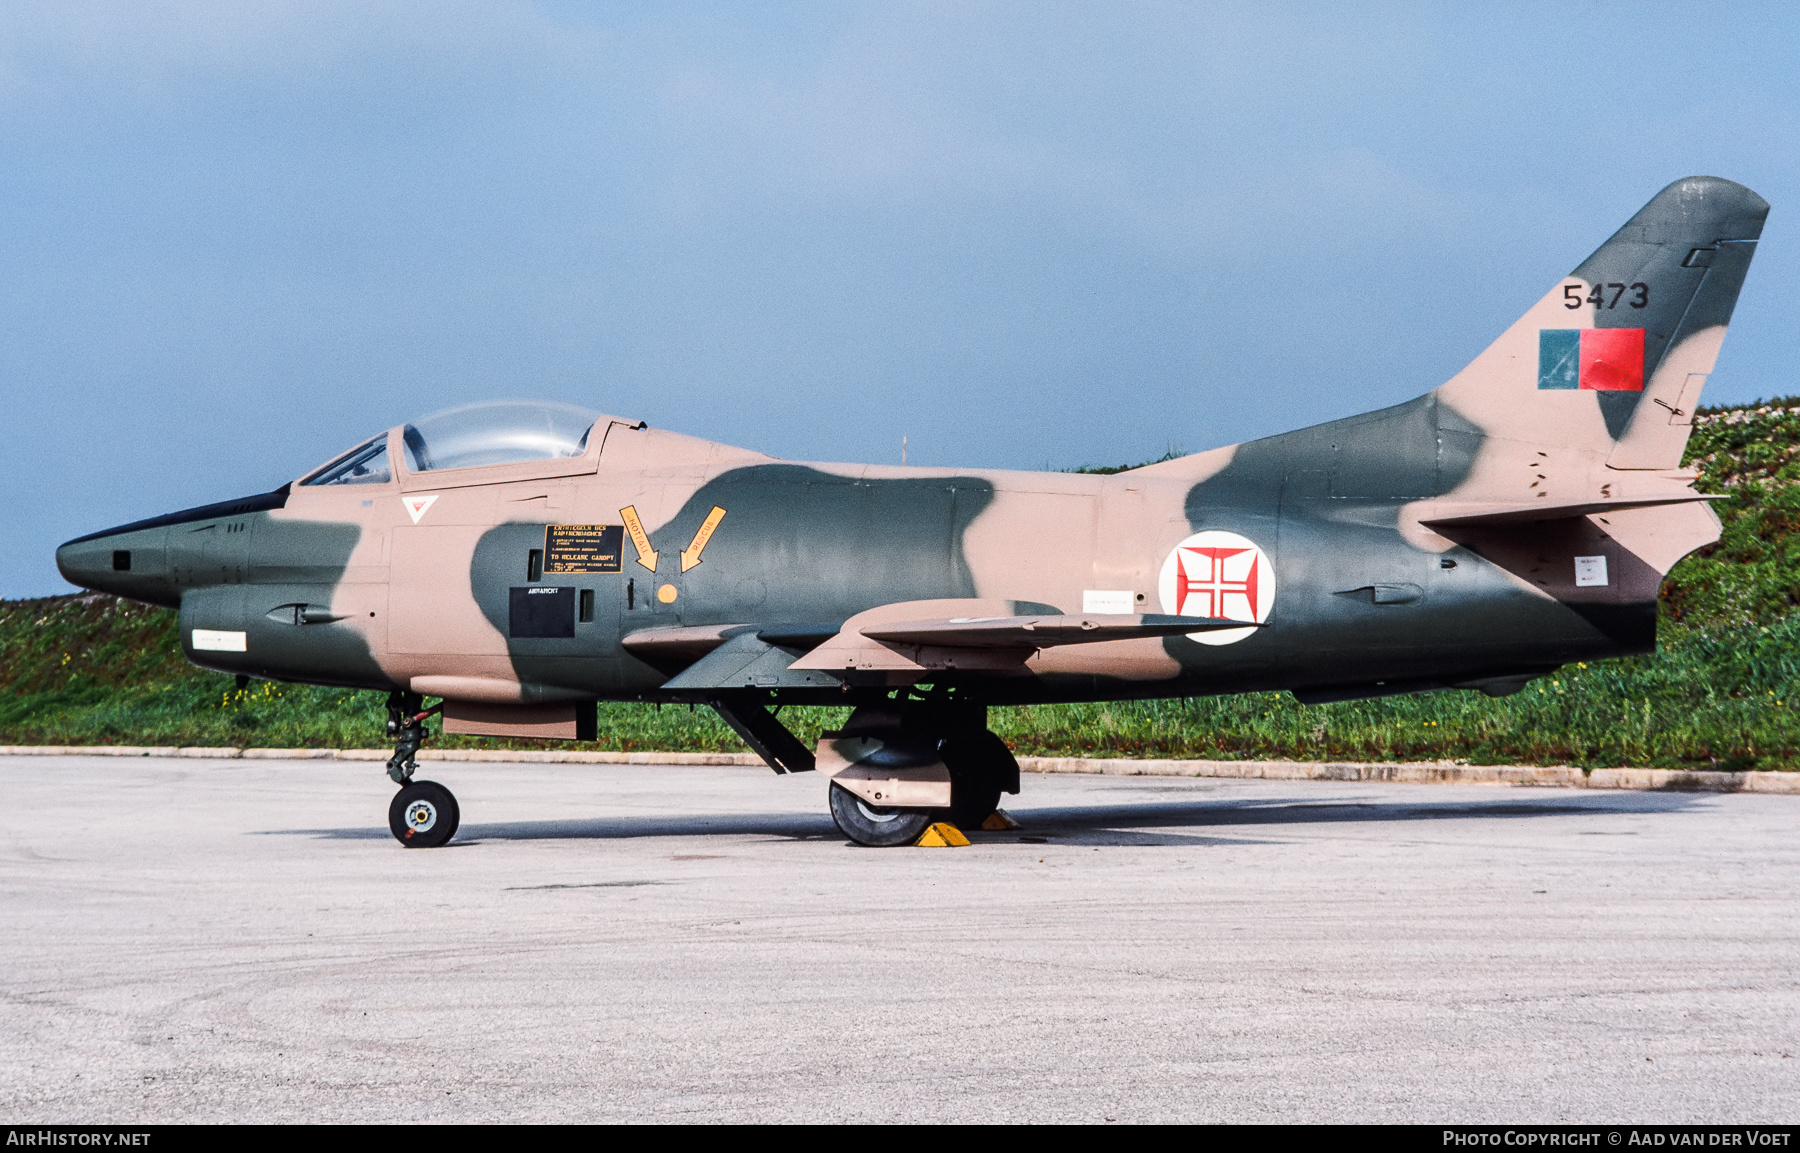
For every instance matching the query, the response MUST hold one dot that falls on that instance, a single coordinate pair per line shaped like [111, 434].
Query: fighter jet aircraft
[520, 561]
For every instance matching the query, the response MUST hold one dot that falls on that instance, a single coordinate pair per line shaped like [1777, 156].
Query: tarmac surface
[190, 940]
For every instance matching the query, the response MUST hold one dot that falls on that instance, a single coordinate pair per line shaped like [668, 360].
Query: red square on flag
[1612, 359]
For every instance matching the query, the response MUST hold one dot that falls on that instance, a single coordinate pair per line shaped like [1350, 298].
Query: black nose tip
[134, 560]
[93, 563]
[128, 564]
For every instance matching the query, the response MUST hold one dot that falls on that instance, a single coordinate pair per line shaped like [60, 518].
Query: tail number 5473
[1640, 295]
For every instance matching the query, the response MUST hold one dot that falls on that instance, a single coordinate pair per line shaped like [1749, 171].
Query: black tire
[423, 815]
[981, 766]
[874, 825]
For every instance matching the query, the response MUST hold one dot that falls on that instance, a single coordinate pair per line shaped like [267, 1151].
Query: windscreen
[367, 463]
[497, 432]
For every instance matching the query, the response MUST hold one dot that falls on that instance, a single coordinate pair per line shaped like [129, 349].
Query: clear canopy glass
[497, 432]
[365, 464]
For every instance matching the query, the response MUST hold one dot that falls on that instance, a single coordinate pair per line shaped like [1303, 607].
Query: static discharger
[941, 835]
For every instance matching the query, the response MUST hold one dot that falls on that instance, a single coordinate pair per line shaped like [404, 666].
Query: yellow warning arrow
[640, 538]
[690, 556]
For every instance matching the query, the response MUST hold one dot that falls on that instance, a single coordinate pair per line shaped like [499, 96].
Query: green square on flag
[1559, 358]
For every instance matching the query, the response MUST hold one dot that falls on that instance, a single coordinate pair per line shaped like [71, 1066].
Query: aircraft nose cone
[147, 560]
[90, 563]
[128, 563]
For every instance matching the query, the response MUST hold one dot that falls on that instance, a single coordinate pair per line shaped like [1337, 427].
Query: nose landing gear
[423, 814]
[406, 723]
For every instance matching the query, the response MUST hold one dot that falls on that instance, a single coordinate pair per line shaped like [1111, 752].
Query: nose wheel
[423, 815]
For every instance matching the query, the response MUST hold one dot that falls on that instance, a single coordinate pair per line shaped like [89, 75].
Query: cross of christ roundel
[1218, 574]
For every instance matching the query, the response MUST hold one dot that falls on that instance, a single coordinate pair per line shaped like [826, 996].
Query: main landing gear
[902, 755]
[423, 814]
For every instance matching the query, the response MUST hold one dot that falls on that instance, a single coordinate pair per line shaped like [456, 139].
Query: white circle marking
[1218, 574]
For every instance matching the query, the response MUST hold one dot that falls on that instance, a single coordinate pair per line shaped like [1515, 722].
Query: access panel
[541, 611]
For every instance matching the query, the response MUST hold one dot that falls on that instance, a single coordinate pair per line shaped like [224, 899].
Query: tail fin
[1611, 361]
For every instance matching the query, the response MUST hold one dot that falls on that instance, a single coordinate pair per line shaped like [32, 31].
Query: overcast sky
[236, 238]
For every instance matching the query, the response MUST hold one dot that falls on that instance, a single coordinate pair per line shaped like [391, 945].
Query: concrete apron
[1418, 773]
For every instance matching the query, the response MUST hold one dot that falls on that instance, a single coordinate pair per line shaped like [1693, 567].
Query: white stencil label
[1590, 571]
[216, 641]
[1108, 601]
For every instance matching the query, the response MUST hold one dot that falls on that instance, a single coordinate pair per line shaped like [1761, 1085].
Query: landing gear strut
[981, 768]
[423, 814]
[406, 724]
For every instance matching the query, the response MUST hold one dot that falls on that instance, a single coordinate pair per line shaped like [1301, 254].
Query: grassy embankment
[1723, 691]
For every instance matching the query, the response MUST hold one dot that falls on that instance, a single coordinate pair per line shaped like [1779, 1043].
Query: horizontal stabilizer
[1525, 513]
[1037, 632]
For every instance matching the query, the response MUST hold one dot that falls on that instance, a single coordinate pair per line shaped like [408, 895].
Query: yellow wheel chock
[941, 836]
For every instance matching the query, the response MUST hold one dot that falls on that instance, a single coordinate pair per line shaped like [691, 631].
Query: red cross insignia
[1220, 575]
[1221, 580]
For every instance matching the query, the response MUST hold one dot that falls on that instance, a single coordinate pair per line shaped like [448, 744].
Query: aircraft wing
[713, 657]
[892, 640]
[1037, 632]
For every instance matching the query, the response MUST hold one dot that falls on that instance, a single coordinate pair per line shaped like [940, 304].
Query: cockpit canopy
[497, 432]
[491, 432]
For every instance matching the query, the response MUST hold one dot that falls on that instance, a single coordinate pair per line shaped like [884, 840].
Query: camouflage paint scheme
[1424, 546]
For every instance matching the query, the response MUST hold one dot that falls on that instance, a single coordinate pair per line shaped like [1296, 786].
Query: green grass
[1723, 691]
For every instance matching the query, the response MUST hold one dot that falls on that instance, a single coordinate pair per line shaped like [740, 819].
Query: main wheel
[877, 826]
[981, 766]
[423, 815]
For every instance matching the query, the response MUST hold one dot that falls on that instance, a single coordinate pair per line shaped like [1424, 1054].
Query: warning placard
[584, 548]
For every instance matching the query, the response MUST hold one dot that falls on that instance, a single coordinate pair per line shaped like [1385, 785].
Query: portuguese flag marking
[1599, 359]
